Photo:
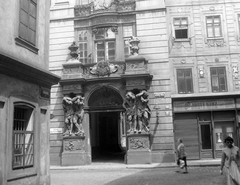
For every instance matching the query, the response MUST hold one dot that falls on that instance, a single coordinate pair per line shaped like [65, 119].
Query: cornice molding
[20, 70]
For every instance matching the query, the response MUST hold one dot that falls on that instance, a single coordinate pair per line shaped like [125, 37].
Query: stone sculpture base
[74, 151]
[138, 149]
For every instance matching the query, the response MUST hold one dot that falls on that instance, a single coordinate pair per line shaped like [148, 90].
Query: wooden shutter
[27, 20]
[186, 128]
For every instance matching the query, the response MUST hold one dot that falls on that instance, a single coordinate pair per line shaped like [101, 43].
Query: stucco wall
[9, 11]
[28, 92]
[197, 53]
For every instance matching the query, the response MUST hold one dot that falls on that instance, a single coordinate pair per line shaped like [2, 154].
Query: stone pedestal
[138, 149]
[74, 151]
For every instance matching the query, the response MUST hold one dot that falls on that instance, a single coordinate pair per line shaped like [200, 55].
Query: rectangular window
[180, 28]
[105, 44]
[82, 43]
[23, 137]
[218, 79]
[27, 21]
[127, 32]
[213, 24]
[184, 81]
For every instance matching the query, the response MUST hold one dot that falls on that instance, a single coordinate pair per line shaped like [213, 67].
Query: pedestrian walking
[230, 162]
[182, 155]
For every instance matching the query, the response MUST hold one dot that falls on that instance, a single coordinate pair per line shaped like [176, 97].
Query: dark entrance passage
[105, 137]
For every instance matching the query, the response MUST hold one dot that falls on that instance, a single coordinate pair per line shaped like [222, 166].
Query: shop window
[180, 28]
[105, 44]
[218, 79]
[213, 25]
[127, 32]
[83, 46]
[184, 81]
[23, 137]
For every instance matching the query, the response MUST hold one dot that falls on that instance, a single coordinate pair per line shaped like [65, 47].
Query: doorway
[105, 137]
[213, 128]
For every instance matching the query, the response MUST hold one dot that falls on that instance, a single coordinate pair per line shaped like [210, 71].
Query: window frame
[20, 40]
[104, 40]
[186, 27]
[86, 58]
[184, 70]
[125, 38]
[225, 79]
[21, 172]
[213, 27]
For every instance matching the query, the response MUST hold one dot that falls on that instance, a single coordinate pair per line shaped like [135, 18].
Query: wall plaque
[44, 92]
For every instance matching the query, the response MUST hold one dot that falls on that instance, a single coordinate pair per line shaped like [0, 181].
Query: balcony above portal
[104, 7]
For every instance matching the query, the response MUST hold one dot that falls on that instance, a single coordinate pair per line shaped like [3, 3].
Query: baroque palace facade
[136, 75]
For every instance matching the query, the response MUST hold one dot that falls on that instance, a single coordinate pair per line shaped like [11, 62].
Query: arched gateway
[105, 106]
[106, 112]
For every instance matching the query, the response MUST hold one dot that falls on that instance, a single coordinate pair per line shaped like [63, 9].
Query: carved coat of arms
[103, 68]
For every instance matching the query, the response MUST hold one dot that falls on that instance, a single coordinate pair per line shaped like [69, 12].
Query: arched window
[23, 136]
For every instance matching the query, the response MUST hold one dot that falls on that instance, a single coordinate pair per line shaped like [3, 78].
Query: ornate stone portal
[132, 78]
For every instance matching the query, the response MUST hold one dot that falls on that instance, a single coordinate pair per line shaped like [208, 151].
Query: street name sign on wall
[56, 130]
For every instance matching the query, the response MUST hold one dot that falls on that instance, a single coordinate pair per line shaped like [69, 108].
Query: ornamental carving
[135, 82]
[71, 70]
[113, 29]
[215, 42]
[73, 145]
[74, 114]
[137, 112]
[103, 20]
[235, 71]
[72, 87]
[135, 65]
[101, 6]
[138, 143]
[103, 68]
[105, 96]
[133, 43]
[73, 50]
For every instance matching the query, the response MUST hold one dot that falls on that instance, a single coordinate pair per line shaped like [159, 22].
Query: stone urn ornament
[133, 42]
[73, 53]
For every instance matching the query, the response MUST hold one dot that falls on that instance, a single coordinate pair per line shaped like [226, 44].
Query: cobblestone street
[153, 176]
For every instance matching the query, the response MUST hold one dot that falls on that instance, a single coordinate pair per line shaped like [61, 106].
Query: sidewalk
[105, 165]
